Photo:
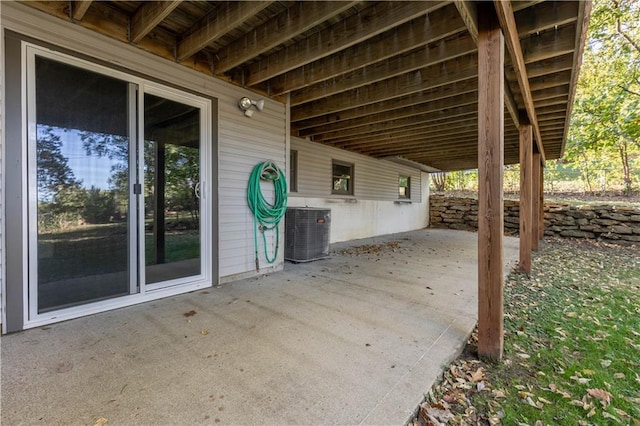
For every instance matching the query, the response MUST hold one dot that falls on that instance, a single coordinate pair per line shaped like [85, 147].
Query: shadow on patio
[357, 338]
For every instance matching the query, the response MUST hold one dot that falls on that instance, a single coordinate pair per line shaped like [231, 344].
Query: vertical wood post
[526, 195]
[535, 220]
[490, 190]
[541, 206]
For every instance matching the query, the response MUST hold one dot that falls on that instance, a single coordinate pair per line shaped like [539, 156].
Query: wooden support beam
[526, 195]
[437, 24]
[507, 20]
[541, 205]
[298, 18]
[79, 8]
[148, 16]
[490, 185]
[535, 190]
[374, 20]
[227, 17]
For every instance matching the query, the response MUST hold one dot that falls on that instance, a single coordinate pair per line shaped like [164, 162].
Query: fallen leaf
[618, 376]
[581, 380]
[605, 362]
[190, 313]
[523, 356]
[588, 372]
[204, 332]
[498, 393]
[602, 395]
[610, 416]
[621, 413]
[545, 401]
[592, 412]
[477, 375]
[101, 422]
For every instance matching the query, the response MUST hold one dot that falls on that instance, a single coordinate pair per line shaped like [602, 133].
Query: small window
[404, 187]
[342, 178]
[293, 171]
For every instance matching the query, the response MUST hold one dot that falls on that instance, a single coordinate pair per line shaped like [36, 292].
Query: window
[342, 178]
[404, 187]
[293, 171]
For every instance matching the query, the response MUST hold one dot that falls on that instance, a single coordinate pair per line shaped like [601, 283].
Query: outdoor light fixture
[246, 103]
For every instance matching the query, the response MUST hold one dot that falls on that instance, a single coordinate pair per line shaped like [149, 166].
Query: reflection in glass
[82, 156]
[172, 176]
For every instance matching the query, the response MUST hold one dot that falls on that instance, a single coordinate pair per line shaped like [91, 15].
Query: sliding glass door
[172, 189]
[116, 184]
[81, 198]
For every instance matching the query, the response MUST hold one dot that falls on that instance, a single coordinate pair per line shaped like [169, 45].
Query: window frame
[350, 179]
[407, 194]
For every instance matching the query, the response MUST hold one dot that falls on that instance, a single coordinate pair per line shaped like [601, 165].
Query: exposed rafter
[372, 21]
[297, 19]
[79, 8]
[398, 65]
[435, 25]
[228, 16]
[455, 70]
[148, 16]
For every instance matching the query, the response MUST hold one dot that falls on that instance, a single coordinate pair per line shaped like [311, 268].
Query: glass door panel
[82, 202]
[172, 189]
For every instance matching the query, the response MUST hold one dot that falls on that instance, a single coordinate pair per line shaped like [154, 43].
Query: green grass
[572, 344]
[100, 249]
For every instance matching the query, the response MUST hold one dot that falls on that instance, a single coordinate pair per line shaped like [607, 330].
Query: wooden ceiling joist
[419, 128]
[148, 16]
[548, 15]
[295, 20]
[409, 123]
[548, 44]
[398, 65]
[374, 20]
[79, 8]
[419, 113]
[442, 97]
[455, 70]
[435, 25]
[226, 17]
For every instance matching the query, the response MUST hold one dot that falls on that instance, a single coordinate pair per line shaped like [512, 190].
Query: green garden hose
[267, 215]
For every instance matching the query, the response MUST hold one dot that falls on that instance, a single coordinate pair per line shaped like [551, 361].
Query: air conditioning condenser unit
[306, 233]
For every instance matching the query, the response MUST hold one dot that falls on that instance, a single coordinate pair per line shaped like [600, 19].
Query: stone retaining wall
[606, 222]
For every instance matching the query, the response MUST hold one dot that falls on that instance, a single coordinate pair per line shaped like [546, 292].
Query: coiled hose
[266, 215]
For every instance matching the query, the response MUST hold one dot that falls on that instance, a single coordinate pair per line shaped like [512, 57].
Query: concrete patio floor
[355, 339]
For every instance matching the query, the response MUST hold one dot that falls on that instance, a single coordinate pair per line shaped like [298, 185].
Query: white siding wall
[375, 208]
[242, 141]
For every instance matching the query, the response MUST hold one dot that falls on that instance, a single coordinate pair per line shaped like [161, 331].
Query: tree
[54, 172]
[605, 121]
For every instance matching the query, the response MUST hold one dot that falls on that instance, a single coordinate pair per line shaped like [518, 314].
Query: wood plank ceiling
[385, 79]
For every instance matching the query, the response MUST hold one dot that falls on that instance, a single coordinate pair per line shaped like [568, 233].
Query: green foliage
[605, 125]
[99, 207]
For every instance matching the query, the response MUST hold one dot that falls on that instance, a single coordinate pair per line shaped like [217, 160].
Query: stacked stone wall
[605, 222]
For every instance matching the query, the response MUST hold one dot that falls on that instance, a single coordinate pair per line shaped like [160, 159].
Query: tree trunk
[626, 174]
